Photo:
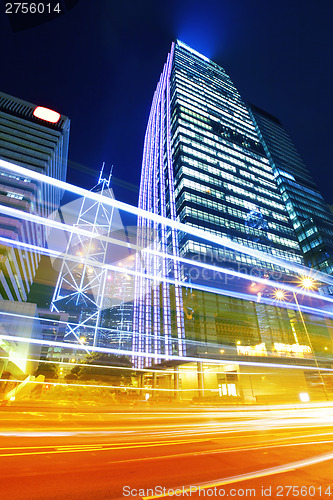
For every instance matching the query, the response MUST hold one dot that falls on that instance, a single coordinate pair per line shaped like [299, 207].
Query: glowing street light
[307, 283]
[279, 294]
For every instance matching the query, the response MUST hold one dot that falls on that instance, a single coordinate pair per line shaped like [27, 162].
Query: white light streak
[168, 357]
[218, 291]
[199, 233]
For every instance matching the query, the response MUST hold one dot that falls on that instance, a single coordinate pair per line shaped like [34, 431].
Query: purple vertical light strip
[159, 207]
[173, 214]
[156, 283]
[137, 340]
[165, 286]
[146, 311]
[155, 184]
[149, 311]
[149, 284]
[156, 152]
[139, 302]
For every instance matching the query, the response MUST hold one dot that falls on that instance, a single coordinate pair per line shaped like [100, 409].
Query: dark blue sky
[99, 65]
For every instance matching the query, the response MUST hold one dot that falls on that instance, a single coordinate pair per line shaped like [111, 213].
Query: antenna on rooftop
[104, 180]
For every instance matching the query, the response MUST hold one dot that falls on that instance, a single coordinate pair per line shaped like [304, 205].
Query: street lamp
[307, 283]
[279, 294]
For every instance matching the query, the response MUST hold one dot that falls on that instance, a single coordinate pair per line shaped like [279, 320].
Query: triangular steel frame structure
[81, 284]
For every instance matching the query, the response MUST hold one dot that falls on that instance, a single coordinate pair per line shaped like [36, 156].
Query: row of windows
[9, 132]
[311, 245]
[208, 167]
[235, 212]
[206, 73]
[233, 100]
[234, 152]
[254, 196]
[187, 183]
[224, 223]
[219, 255]
[194, 121]
[203, 137]
[218, 145]
[15, 177]
[38, 130]
[290, 256]
[190, 121]
[244, 123]
[304, 208]
[278, 171]
[196, 187]
[15, 144]
[310, 192]
[250, 156]
[270, 185]
[226, 157]
[203, 133]
[14, 195]
[298, 194]
[283, 148]
[217, 182]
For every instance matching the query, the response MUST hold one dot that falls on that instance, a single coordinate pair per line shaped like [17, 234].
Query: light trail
[220, 451]
[73, 229]
[51, 450]
[144, 370]
[98, 386]
[205, 288]
[206, 235]
[248, 476]
[184, 359]
[88, 448]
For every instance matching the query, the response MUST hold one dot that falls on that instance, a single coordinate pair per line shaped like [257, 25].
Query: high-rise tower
[35, 138]
[206, 164]
[311, 218]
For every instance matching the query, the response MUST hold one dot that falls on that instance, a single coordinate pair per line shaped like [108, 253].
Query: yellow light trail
[248, 476]
[29, 450]
[82, 448]
[220, 451]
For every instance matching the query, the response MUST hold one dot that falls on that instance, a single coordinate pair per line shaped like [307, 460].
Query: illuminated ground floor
[203, 382]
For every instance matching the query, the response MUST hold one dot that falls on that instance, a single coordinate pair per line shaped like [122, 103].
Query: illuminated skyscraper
[207, 165]
[311, 218]
[35, 138]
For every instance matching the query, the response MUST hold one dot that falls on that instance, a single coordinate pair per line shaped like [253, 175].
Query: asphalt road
[146, 453]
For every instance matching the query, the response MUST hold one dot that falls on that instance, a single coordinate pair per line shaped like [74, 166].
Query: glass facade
[40, 146]
[206, 165]
[223, 179]
[310, 215]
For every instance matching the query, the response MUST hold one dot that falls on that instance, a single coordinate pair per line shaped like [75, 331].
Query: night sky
[99, 65]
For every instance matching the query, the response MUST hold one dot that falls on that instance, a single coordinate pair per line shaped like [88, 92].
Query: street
[263, 452]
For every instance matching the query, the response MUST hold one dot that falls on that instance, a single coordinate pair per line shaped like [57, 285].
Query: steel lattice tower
[82, 278]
